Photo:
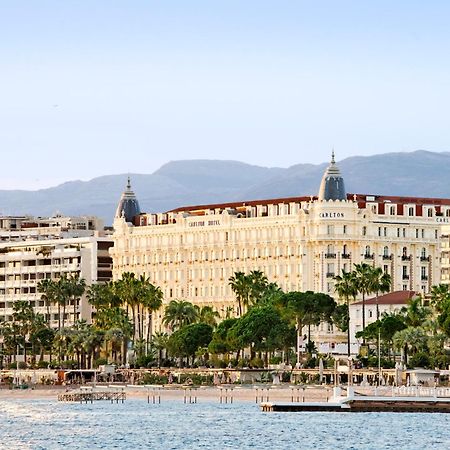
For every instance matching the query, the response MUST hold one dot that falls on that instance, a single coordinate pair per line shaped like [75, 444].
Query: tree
[440, 296]
[206, 314]
[179, 313]
[412, 339]
[346, 288]
[187, 340]
[76, 287]
[221, 343]
[363, 277]
[239, 286]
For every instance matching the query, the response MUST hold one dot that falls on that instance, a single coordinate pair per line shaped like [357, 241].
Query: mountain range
[189, 182]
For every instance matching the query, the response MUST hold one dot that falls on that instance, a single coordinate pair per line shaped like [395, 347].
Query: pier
[89, 395]
[400, 401]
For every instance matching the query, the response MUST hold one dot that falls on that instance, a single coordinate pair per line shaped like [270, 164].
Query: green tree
[363, 276]
[179, 313]
[346, 288]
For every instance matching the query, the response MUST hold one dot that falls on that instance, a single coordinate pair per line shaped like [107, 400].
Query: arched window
[386, 251]
[330, 249]
[423, 253]
[404, 251]
[367, 251]
[344, 249]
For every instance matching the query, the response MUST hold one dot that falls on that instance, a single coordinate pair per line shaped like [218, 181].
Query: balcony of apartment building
[424, 277]
[405, 276]
[330, 274]
[330, 255]
[369, 256]
[406, 257]
[346, 255]
[387, 257]
[424, 258]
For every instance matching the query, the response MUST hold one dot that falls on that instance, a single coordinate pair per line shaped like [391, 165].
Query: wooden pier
[430, 402]
[91, 395]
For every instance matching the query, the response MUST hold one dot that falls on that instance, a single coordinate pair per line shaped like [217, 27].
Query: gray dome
[332, 186]
[128, 206]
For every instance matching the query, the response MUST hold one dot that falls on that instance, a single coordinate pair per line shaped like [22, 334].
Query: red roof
[360, 198]
[393, 298]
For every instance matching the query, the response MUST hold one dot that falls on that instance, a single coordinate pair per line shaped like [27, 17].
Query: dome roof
[332, 185]
[128, 206]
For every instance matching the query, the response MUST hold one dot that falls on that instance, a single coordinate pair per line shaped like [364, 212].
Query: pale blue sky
[100, 87]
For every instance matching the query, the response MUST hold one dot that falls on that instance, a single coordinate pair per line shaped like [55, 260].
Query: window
[447, 213]
[423, 253]
[379, 231]
[367, 250]
[364, 231]
[344, 229]
[385, 268]
[386, 251]
[330, 229]
[417, 233]
[423, 233]
[398, 232]
[405, 287]
[392, 210]
[404, 251]
[411, 211]
[430, 212]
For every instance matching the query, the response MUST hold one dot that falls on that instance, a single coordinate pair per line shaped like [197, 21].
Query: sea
[135, 424]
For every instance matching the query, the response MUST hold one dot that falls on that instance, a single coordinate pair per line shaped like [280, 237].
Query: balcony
[330, 275]
[424, 277]
[406, 258]
[368, 256]
[424, 258]
[387, 257]
[330, 255]
[346, 255]
[405, 277]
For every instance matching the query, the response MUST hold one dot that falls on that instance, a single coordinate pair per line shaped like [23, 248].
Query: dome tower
[128, 206]
[332, 186]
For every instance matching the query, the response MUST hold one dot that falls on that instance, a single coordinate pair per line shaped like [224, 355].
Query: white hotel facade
[300, 243]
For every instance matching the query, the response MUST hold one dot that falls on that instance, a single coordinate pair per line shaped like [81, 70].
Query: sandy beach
[204, 393]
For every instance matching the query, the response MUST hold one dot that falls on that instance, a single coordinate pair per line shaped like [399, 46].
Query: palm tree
[47, 288]
[76, 287]
[439, 295]
[346, 288]
[380, 283]
[411, 338]
[179, 313]
[208, 315]
[151, 301]
[258, 283]
[128, 288]
[364, 285]
[240, 288]
[160, 341]
[415, 313]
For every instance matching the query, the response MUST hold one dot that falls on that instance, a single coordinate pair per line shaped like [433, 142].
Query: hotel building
[300, 243]
[33, 249]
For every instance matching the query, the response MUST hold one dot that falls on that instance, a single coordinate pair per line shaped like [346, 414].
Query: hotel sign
[204, 223]
[442, 220]
[331, 215]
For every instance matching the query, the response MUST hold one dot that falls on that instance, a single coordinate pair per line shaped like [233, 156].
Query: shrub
[420, 359]
[100, 362]
[275, 360]
[152, 378]
[256, 363]
[42, 364]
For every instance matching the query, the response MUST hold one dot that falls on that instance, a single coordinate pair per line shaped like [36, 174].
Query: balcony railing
[330, 274]
[368, 256]
[387, 257]
[424, 277]
[405, 277]
[406, 258]
[424, 258]
[330, 255]
[346, 255]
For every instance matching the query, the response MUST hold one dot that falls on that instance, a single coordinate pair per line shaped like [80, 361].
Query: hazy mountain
[178, 183]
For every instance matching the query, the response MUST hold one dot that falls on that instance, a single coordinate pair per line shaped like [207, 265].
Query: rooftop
[393, 298]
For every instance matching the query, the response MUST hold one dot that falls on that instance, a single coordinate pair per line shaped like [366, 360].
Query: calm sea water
[42, 424]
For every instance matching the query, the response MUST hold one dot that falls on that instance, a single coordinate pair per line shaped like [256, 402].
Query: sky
[90, 88]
